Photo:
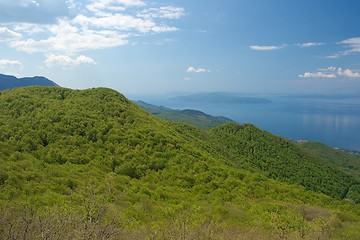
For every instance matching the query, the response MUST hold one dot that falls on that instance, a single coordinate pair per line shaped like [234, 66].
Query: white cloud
[332, 56]
[84, 59]
[102, 7]
[331, 72]
[310, 44]
[30, 28]
[163, 28]
[348, 73]
[34, 3]
[187, 79]
[22, 3]
[168, 12]
[277, 47]
[85, 25]
[66, 61]
[318, 75]
[196, 70]
[6, 63]
[353, 44]
[86, 31]
[266, 48]
[7, 35]
[331, 69]
[122, 22]
[130, 2]
[31, 11]
[72, 4]
[68, 39]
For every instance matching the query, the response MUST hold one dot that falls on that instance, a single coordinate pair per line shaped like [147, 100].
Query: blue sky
[151, 47]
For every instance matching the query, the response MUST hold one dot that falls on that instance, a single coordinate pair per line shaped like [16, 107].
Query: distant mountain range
[220, 97]
[10, 82]
[192, 117]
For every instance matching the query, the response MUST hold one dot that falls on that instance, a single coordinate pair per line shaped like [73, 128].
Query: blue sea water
[333, 121]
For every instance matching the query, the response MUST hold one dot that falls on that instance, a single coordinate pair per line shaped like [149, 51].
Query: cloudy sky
[141, 46]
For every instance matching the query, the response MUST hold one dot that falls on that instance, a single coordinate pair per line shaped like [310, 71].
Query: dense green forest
[90, 164]
[347, 161]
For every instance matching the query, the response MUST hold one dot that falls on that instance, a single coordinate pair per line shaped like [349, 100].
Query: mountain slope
[9, 82]
[192, 117]
[338, 157]
[347, 162]
[280, 159]
[91, 164]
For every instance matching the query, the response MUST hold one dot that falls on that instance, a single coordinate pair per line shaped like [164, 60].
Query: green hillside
[91, 164]
[192, 117]
[338, 157]
[347, 161]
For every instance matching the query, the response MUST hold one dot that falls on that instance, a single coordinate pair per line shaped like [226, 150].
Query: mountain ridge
[190, 116]
[10, 82]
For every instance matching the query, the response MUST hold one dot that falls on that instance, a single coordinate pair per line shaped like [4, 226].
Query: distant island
[10, 82]
[221, 97]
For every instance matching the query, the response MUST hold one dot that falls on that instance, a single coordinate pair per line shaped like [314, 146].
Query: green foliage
[354, 193]
[91, 164]
[280, 159]
[346, 160]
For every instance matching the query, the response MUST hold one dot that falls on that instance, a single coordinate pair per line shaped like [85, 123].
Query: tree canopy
[91, 164]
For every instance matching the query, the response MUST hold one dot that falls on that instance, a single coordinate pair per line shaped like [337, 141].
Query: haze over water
[335, 122]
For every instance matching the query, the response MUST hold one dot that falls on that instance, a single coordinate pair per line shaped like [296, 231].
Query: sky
[156, 47]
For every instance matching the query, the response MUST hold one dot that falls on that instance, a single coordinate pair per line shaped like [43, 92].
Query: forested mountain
[348, 161]
[193, 117]
[10, 82]
[90, 164]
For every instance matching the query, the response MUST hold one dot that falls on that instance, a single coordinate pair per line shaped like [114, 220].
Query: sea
[333, 120]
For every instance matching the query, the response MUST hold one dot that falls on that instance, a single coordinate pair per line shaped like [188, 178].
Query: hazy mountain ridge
[103, 168]
[10, 82]
[190, 116]
[221, 97]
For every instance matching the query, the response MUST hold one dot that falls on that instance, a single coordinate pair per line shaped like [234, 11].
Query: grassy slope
[192, 117]
[96, 162]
